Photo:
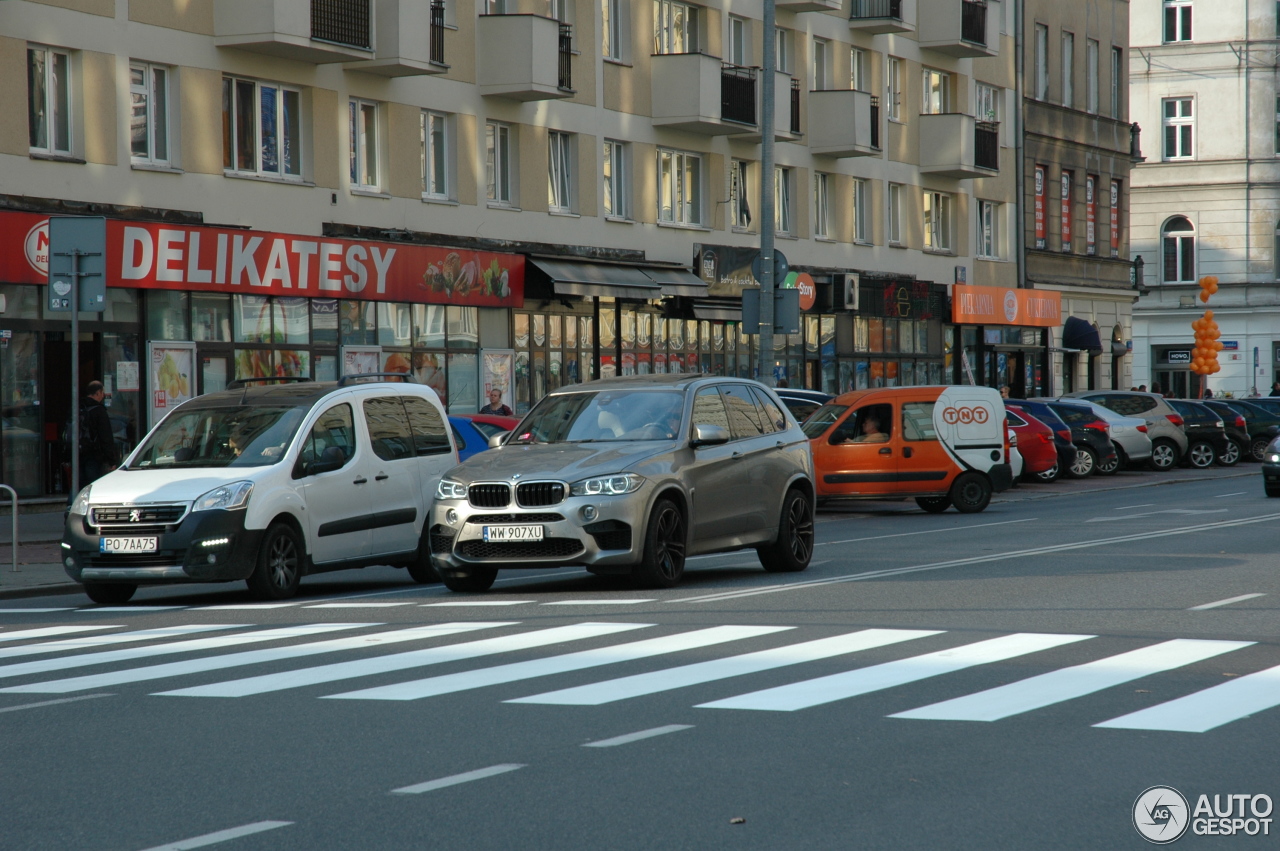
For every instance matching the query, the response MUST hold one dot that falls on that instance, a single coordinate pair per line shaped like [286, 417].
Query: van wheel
[1164, 455]
[1084, 465]
[475, 580]
[934, 504]
[1231, 455]
[662, 562]
[791, 550]
[420, 569]
[279, 568]
[110, 593]
[970, 493]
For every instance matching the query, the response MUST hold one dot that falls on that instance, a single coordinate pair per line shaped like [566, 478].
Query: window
[708, 409]
[895, 89]
[362, 118]
[388, 425]
[743, 413]
[1091, 76]
[427, 427]
[989, 230]
[49, 100]
[821, 64]
[1275, 258]
[860, 216]
[820, 224]
[739, 205]
[149, 118]
[1179, 243]
[1042, 62]
[858, 68]
[1177, 20]
[333, 428]
[917, 421]
[936, 92]
[559, 172]
[937, 221]
[261, 128]
[611, 31]
[1068, 69]
[783, 219]
[1179, 126]
[1066, 238]
[561, 10]
[675, 27]
[434, 135]
[1116, 57]
[783, 57]
[987, 106]
[617, 180]
[498, 158]
[895, 214]
[739, 41]
[679, 187]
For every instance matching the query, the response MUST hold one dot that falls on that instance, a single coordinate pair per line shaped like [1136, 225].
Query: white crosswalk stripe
[46, 631]
[720, 669]
[1208, 709]
[404, 661]
[104, 640]
[559, 664]
[1077, 681]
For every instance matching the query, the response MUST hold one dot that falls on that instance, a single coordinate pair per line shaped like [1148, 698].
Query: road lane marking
[357, 605]
[639, 736]
[456, 779]
[102, 640]
[1207, 709]
[926, 532]
[41, 632]
[817, 692]
[1154, 513]
[1226, 602]
[404, 661]
[241, 607]
[982, 559]
[1132, 507]
[467, 604]
[221, 836]
[1236, 493]
[594, 658]
[601, 602]
[35, 611]
[136, 610]
[54, 702]
[1077, 681]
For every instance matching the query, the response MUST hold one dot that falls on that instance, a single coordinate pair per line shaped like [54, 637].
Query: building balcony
[315, 31]
[961, 28]
[786, 110]
[408, 39]
[959, 146]
[701, 94]
[881, 16]
[524, 57]
[844, 123]
[809, 5]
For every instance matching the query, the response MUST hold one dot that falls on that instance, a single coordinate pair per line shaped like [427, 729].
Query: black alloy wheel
[279, 568]
[791, 551]
[420, 569]
[662, 564]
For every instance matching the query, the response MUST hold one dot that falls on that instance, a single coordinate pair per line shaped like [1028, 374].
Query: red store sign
[209, 259]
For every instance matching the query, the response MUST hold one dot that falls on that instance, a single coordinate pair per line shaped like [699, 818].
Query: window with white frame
[989, 230]
[1179, 128]
[894, 223]
[1177, 20]
[616, 176]
[739, 41]
[1068, 69]
[1178, 239]
[679, 187]
[611, 29]
[783, 55]
[1042, 62]
[820, 222]
[821, 64]
[262, 126]
[783, 192]
[1091, 76]
[560, 10]
[861, 215]
[49, 100]
[559, 172]
[739, 203]
[675, 27]
[434, 135]
[362, 120]
[858, 68]
[149, 113]
[987, 102]
[937, 221]
[894, 89]
[937, 95]
[499, 156]
[1116, 58]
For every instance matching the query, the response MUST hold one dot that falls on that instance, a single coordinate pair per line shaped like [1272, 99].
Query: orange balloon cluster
[1204, 358]
[1208, 286]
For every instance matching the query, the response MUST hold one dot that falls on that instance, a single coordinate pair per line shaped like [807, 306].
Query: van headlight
[81, 503]
[234, 495]
[607, 485]
[449, 489]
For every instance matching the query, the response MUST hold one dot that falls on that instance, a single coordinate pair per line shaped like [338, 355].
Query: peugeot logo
[135, 515]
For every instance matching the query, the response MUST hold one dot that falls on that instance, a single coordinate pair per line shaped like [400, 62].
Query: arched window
[1179, 239]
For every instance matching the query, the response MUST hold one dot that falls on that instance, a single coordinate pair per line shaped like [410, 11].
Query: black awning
[571, 277]
[676, 281]
[1079, 334]
[720, 312]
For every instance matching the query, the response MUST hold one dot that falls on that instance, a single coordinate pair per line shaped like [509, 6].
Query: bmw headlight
[81, 503]
[607, 485]
[449, 489]
[234, 495]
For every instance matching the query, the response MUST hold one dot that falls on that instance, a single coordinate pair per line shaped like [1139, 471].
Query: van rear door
[970, 421]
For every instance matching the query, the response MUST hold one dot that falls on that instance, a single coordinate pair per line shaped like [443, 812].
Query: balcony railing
[565, 79]
[344, 22]
[737, 94]
[436, 54]
[875, 122]
[861, 9]
[973, 21]
[986, 145]
[795, 106]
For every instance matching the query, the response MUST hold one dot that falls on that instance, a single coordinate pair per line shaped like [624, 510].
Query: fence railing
[875, 9]
[875, 122]
[737, 94]
[437, 32]
[344, 22]
[565, 79]
[795, 106]
[973, 21]
[986, 145]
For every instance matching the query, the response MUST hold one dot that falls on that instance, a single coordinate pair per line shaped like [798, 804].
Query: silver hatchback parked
[1164, 424]
[631, 476]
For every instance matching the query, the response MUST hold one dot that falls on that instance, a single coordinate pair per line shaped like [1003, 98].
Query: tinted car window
[771, 416]
[708, 409]
[487, 429]
[335, 427]
[743, 415]
[426, 425]
[1129, 406]
[1072, 415]
[872, 424]
[822, 420]
[801, 408]
[1013, 419]
[917, 421]
[458, 438]
[388, 428]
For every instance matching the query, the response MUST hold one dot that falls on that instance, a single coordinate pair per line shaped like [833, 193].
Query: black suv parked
[1260, 423]
[1094, 449]
[1233, 422]
[1207, 440]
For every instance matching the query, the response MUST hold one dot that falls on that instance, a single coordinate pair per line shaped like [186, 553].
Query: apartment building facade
[511, 194]
[1207, 200]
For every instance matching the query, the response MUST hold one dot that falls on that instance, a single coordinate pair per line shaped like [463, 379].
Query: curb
[40, 590]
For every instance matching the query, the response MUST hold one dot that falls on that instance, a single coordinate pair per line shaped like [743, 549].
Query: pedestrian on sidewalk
[98, 454]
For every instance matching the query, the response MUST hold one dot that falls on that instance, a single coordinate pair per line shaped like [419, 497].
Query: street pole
[767, 190]
[75, 373]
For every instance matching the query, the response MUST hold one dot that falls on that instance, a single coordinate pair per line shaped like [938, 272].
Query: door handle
[779, 445]
[736, 456]
[906, 452]
[360, 481]
[886, 451]
[380, 477]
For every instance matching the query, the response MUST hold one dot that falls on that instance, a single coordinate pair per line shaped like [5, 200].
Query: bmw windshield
[239, 436]
[603, 416]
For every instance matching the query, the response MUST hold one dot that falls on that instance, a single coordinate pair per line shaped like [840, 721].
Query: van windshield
[821, 420]
[240, 436]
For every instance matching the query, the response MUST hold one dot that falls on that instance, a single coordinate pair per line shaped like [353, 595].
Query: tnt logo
[964, 415]
[1160, 814]
[36, 246]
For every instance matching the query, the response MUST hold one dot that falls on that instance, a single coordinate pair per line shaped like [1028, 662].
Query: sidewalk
[40, 570]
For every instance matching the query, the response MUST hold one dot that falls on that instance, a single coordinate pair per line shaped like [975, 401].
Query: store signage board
[972, 305]
[76, 245]
[1183, 356]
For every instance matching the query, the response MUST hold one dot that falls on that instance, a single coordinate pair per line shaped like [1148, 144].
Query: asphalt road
[1008, 680]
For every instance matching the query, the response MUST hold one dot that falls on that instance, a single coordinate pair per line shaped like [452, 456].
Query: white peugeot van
[267, 484]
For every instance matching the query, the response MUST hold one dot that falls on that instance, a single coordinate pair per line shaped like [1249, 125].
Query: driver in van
[871, 432]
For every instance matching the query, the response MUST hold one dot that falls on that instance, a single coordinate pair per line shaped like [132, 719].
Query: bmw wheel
[662, 565]
[791, 550]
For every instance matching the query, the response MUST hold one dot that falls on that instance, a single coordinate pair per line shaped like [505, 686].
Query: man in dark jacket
[98, 455]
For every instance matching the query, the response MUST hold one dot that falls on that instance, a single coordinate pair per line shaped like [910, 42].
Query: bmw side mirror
[705, 434]
[498, 439]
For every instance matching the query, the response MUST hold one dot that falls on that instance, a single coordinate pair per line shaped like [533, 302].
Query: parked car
[1095, 453]
[631, 475]
[1016, 463]
[266, 484]
[1164, 424]
[1035, 444]
[471, 432]
[1237, 429]
[1259, 422]
[802, 403]
[1061, 434]
[1128, 435]
[1271, 469]
[1207, 438]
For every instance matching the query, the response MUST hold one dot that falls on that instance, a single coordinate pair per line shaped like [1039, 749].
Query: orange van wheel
[970, 493]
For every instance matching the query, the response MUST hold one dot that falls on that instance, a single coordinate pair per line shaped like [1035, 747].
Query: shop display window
[555, 338]
[357, 323]
[464, 377]
[395, 324]
[251, 319]
[628, 330]
[21, 302]
[291, 321]
[324, 325]
[890, 336]
[428, 326]
[210, 318]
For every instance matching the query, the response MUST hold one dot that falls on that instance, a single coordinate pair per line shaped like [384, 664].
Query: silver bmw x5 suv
[631, 476]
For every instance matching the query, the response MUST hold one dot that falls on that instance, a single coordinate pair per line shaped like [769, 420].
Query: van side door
[924, 466]
[862, 451]
[395, 495]
[337, 498]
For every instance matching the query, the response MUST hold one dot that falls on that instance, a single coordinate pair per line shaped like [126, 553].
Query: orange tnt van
[942, 446]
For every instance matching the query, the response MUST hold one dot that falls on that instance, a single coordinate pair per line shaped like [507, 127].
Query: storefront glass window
[628, 330]
[570, 332]
[121, 306]
[428, 326]
[291, 321]
[539, 329]
[293, 362]
[890, 335]
[429, 369]
[20, 385]
[555, 365]
[922, 337]
[211, 314]
[464, 392]
[522, 382]
[21, 302]
[167, 314]
[357, 322]
[811, 335]
[395, 324]
[123, 405]
[644, 330]
[827, 336]
[585, 333]
[608, 328]
[254, 363]
[324, 326]
[875, 335]
[326, 368]
[251, 315]
[861, 334]
[463, 327]
[555, 337]
[539, 374]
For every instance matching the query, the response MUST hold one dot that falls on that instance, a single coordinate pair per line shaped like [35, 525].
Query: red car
[1035, 442]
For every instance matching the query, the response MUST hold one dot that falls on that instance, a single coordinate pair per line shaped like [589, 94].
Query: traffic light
[1208, 286]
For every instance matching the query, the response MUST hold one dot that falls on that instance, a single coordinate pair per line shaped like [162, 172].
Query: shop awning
[572, 277]
[717, 312]
[677, 281]
[1079, 334]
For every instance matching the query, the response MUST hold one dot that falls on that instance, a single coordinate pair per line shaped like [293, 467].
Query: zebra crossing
[727, 667]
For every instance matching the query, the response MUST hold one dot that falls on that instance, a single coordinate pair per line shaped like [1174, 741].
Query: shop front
[1002, 337]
